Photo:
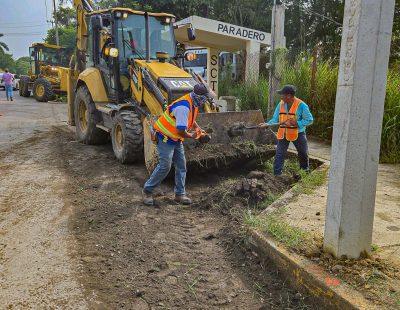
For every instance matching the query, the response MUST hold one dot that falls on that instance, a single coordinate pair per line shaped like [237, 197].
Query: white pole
[56, 22]
[272, 62]
[360, 98]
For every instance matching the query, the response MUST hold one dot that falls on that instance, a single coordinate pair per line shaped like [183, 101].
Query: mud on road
[76, 235]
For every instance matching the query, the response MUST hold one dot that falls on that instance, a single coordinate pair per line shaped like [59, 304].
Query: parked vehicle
[15, 81]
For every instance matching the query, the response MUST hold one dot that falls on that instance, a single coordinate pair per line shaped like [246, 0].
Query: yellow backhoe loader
[47, 74]
[125, 76]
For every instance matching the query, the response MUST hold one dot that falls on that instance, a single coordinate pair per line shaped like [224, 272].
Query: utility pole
[360, 98]
[272, 62]
[55, 21]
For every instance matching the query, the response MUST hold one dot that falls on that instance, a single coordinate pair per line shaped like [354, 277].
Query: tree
[6, 61]
[3, 46]
[22, 65]
[66, 34]
[395, 49]
[66, 16]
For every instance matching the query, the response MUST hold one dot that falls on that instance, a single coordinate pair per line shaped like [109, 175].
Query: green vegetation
[271, 197]
[255, 96]
[274, 225]
[3, 46]
[309, 182]
[19, 66]
[374, 247]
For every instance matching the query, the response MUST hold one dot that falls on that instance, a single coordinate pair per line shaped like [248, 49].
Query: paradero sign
[241, 32]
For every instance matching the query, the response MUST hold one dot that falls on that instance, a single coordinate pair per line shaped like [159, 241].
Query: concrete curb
[307, 276]
[304, 274]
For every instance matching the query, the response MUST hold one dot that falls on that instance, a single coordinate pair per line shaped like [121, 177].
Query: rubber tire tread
[24, 87]
[93, 135]
[132, 132]
[48, 90]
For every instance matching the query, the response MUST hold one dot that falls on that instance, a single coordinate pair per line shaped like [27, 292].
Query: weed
[309, 182]
[268, 200]
[274, 225]
[269, 166]
[374, 247]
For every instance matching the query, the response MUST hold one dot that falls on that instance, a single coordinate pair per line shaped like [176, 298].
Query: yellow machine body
[48, 72]
[121, 78]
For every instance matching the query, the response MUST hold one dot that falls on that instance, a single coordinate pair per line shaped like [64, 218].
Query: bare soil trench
[106, 250]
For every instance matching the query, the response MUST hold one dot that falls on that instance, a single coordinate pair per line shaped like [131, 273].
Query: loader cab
[42, 54]
[118, 37]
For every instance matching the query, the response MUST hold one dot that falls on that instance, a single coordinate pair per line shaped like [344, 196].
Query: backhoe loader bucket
[230, 143]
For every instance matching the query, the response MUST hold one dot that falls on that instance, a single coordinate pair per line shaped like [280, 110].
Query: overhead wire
[30, 26]
[313, 12]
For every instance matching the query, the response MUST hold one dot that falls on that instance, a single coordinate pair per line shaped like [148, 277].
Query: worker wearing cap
[172, 127]
[293, 116]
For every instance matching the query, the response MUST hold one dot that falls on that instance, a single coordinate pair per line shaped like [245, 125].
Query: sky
[23, 22]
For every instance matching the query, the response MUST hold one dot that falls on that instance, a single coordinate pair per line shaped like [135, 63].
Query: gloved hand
[202, 136]
[199, 133]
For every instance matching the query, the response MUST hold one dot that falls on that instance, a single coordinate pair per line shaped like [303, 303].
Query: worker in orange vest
[294, 116]
[172, 127]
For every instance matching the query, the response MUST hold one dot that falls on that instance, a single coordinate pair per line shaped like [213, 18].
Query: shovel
[238, 129]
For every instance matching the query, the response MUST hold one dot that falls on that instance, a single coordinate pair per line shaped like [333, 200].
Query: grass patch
[309, 182]
[274, 225]
[271, 197]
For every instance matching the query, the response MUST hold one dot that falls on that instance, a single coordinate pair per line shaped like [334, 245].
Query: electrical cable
[312, 12]
[1, 27]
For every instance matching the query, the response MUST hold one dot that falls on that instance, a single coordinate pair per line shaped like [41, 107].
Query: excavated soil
[113, 252]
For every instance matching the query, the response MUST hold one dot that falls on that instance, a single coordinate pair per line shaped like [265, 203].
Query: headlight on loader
[111, 51]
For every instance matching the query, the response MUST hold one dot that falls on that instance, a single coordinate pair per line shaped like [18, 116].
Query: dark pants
[302, 151]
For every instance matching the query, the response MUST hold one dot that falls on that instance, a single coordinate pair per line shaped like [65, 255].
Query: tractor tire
[42, 90]
[24, 86]
[127, 137]
[86, 118]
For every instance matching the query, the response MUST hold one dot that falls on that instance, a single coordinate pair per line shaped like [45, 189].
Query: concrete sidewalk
[308, 211]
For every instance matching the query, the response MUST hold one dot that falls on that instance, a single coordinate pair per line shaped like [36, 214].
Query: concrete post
[212, 69]
[280, 26]
[277, 41]
[364, 55]
[252, 61]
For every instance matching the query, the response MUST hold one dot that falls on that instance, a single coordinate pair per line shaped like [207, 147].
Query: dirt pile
[202, 157]
[236, 194]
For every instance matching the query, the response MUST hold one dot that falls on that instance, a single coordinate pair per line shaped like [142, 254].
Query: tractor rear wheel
[86, 119]
[127, 137]
[24, 86]
[42, 90]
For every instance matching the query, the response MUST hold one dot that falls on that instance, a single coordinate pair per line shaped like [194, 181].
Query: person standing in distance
[8, 78]
[293, 115]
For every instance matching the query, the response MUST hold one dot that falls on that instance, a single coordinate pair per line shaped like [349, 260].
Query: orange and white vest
[289, 132]
[166, 123]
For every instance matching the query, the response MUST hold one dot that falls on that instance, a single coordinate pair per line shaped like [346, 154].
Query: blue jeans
[302, 153]
[8, 89]
[168, 154]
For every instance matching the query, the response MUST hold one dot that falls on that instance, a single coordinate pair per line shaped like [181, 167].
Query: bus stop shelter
[219, 36]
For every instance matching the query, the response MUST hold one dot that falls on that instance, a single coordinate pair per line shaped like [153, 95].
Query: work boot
[183, 199]
[12, 99]
[7, 98]
[147, 198]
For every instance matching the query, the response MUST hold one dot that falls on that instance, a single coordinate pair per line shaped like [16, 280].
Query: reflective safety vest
[289, 132]
[166, 123]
